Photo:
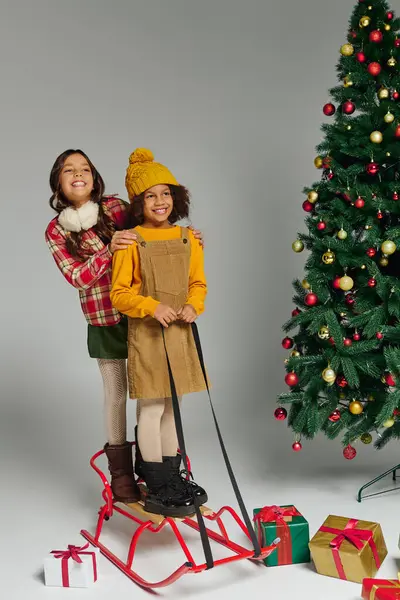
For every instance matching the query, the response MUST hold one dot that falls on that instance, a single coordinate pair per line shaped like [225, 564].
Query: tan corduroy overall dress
[164, 267]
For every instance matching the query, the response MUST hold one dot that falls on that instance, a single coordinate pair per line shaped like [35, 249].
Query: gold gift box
[357, 563]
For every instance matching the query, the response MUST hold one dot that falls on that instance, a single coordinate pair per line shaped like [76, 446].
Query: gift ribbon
[357, 537]
[277, 514]
[73, 552]
[376, 587]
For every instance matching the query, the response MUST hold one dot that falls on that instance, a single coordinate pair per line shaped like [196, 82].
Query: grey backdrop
[228, 94]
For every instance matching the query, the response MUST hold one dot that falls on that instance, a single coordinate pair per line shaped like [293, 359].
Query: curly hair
[105, 226]
[180, 210]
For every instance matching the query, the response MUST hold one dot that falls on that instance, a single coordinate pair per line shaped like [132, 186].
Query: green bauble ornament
[366, 438]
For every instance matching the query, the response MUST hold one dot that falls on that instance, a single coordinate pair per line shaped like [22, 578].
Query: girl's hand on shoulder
[198, 235]
[122, 240]
[165, 315]
[187, 314]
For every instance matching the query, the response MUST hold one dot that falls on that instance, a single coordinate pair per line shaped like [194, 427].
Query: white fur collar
[76, 219]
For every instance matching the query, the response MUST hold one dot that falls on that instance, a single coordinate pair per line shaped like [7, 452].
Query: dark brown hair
[181, 206]
[104, 227]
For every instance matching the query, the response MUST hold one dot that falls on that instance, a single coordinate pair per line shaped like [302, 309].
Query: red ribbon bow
[73, 552]
[356, 537]
[277, 514]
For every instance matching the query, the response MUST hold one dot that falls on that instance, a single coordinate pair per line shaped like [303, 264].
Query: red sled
[155, 523]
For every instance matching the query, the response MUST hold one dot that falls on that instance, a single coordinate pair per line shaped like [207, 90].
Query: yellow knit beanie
[142, 173]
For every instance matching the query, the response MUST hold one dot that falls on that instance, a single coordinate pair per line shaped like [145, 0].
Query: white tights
[156, 429]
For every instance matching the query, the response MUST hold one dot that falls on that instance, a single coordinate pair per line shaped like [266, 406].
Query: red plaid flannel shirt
[91, 278]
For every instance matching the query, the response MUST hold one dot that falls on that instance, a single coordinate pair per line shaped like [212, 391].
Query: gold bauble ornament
[364, 21]
[376, 137]
[346, 283]
[347, 82]
[387, 27]
[323, 333]
[328, 257]
[312, 196]
[388, 247]
[328, 375]
[383, 261]
[342, 234]
[342, 314]
[295, 354]
[389, 117]
[318, 162]
[298, 246]
[356, 407]
[363, 267]
[392, 62]
[305, 284]
[347, 50]
[383, 93]
[366, 438]
[388, 423]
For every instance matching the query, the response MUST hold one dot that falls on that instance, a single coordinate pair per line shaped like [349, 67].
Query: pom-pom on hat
[142, 173]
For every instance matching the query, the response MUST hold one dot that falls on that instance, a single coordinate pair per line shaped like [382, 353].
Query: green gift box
[286, 523]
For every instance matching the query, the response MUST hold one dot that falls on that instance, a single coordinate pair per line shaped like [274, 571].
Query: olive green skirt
[110, 341]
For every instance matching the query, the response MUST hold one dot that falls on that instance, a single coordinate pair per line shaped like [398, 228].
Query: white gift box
[74, 567]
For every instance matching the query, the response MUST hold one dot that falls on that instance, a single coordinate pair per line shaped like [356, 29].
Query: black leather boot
[173, 463]
[163, 496]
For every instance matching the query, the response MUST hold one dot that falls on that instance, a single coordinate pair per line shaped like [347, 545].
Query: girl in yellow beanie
[160, 279]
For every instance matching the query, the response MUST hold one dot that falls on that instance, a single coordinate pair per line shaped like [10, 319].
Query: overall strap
[184, 233]
[141, 241]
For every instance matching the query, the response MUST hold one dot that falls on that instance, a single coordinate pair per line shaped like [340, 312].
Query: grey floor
[52, 494]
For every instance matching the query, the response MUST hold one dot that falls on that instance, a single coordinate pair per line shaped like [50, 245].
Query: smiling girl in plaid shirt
[82, 238]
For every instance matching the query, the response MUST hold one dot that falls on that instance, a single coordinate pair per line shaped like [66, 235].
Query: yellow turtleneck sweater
[127, 281]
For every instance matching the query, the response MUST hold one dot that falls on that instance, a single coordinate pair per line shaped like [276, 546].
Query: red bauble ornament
[329, 109]
[371, 252]
[297, 447]
[341, 381]
[357, 337]
[336, 283]
[372, 282]
[346, 197]
[374, 69]
[348, 107]
[360, 202]
[396, 94]
[311, 299]
[350, 300]
[349, 452]
[372, 168]
[397, 43]
[287, 343]
[331, 341]
[396, 412]
[321, 226]
[280, 414]
[335, 416]
[347, 342]
[379, 335]
[376, 36]
[308, 206]
[397, 131]
[379, 215]
[395, 196]
[389, 15]
[390, 381]
[330, 175]
[360, 56]
[291, 379]
[296, 312]
[326, 162]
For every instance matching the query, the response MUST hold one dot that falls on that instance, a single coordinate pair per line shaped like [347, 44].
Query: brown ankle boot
[120, 464]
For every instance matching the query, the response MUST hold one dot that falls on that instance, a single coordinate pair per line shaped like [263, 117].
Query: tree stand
[154, 523]
[393, 470]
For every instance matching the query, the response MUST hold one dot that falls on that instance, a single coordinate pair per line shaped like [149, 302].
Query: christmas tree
[344, 366]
